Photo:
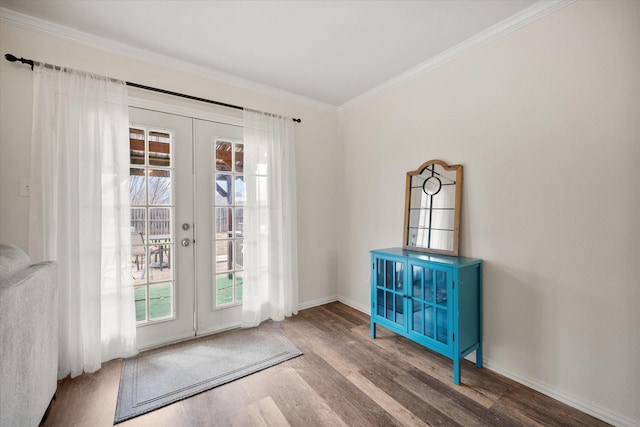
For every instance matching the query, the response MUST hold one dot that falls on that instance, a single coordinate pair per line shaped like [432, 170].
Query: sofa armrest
[29, 343]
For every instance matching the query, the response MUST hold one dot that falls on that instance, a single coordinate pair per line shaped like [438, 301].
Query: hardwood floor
[344, 378]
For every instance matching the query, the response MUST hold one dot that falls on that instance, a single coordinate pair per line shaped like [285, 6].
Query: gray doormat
[156, 378]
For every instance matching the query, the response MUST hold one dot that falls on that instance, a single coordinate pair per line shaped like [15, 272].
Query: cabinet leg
[373, 330]
[479, 357]
[456, 371]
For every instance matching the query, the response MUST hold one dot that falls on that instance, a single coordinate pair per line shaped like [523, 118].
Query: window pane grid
[152, 213]
[228, 201]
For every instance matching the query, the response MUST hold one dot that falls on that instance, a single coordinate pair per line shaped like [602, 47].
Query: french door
[219, 186]
[186, 225]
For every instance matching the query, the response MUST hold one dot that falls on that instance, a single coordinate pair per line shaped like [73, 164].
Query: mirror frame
[456, 218]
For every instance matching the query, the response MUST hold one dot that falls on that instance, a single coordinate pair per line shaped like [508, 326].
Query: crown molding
[529, 15]
[51, 29]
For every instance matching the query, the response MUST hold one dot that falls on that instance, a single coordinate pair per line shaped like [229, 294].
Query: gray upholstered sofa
[28, 337]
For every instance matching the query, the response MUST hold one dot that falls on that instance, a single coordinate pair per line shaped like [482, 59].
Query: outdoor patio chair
[139, 251]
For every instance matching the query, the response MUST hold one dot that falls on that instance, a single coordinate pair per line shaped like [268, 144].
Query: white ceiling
[328, 51]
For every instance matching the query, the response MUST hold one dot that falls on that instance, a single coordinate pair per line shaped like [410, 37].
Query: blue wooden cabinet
[434, 300]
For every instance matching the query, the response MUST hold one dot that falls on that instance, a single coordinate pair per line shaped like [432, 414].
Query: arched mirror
[432, 208]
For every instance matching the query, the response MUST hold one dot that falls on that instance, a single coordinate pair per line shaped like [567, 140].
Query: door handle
[185, 242]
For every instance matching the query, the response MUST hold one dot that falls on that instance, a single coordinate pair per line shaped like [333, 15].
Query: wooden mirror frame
[454, 247]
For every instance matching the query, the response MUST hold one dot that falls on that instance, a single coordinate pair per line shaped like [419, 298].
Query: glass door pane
[417, 306]
[429, 291]
[390, 290]
[152, 211]
[228, 197]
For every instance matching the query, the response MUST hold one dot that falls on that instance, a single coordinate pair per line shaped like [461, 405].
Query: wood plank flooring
[344, 378]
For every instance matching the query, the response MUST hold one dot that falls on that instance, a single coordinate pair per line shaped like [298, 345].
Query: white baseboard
[315, 303]
[351, 303]
[588, 408]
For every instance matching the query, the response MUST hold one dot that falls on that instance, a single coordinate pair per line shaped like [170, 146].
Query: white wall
[317, 142]
[546, 122]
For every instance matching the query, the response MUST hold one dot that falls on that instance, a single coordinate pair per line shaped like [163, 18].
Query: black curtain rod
[12, 58]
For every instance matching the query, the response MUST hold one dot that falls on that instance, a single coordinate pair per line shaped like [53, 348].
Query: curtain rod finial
[12, 58]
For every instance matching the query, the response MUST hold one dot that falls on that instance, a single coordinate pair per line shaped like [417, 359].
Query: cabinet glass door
[429, 295]
[390, 290]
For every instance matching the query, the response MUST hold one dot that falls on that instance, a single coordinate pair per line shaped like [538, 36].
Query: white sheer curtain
[270, 282]
[79, 212]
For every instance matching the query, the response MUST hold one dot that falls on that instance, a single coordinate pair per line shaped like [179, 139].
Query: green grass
[160, 297]
[224, 289]
[159, 302]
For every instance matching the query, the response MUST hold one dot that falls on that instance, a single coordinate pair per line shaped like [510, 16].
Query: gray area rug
[156, 378]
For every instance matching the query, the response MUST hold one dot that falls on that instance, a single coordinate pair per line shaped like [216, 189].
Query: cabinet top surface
[425, 256]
